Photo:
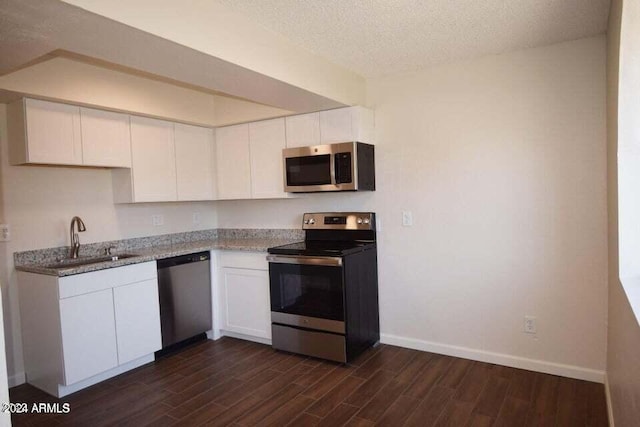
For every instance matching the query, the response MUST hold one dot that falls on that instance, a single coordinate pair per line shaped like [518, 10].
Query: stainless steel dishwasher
[184, 285]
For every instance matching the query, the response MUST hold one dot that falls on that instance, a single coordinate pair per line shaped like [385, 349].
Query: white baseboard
[607, 393]
[569, 371]
[214, 334]
[65, 390]
[245, 337]
[17, 379]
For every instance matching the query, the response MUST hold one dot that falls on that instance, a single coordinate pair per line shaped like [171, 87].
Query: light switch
[407, 218]
[5, 232]
[157, 220]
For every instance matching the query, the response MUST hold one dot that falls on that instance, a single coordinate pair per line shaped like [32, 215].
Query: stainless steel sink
[77, 262]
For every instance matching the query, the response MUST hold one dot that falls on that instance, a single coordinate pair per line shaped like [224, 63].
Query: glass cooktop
[321, 248]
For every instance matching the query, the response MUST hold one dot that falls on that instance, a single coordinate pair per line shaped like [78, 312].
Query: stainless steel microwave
[347, 166]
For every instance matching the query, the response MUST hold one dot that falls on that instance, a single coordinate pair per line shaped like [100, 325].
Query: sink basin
[77, 262]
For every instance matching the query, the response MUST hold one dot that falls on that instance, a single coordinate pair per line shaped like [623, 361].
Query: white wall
[502, 161]
[629, 142]
[623, 334]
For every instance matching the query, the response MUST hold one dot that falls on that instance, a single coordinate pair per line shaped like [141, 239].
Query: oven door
[307, 292]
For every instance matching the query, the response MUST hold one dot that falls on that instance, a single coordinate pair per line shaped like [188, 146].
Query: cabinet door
[247, 307]
[106, 138]
[266, 141]
[336, 126]
[194, 162]
[53, 133]
[88, 335]
[303, 130]
[153, 160]
[137, 313]
[233, 162]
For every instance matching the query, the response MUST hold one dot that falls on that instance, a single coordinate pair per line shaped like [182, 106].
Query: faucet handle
[107, 250]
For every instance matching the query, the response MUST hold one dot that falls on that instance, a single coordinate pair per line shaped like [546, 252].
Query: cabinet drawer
[105, 279]
[239, 259]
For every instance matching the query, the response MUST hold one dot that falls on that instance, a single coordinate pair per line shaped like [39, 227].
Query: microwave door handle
[332, 167]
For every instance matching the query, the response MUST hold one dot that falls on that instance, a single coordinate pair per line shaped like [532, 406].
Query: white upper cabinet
[303, 130]
[170, 162]
[152, 177]
[44, 132]
[106, 139]
[346, 124]
[162, 161]
[195, 162]
[266, 141]
[233, 162]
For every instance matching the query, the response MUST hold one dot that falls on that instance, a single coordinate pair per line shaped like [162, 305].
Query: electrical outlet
[157, 220]
[5, 232]
[196, 218]
[407, 218]
[530, 325]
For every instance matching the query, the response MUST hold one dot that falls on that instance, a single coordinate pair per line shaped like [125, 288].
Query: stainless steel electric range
[324, 290]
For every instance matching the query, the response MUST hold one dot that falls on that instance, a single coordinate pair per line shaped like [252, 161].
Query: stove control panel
[339, 221]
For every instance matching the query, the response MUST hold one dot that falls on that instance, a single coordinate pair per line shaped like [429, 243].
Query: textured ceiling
[379, 37]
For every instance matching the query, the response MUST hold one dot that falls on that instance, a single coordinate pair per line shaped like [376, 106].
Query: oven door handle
[306, 260]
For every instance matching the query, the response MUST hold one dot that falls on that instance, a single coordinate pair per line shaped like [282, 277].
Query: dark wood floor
[242, 383]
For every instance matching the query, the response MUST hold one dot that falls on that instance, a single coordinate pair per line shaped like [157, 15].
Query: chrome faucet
[75, 241]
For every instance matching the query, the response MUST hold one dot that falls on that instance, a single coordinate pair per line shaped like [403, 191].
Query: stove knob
[312, 221]
[359, 221]
[306, 221]
[366, 221]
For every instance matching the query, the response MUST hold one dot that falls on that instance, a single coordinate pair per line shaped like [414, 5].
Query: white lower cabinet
[88, 335]
[246, 297]
[244, 302]
[137, 316]
[79, 330]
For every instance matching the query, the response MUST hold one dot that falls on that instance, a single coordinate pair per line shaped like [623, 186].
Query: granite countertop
[42, 264]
